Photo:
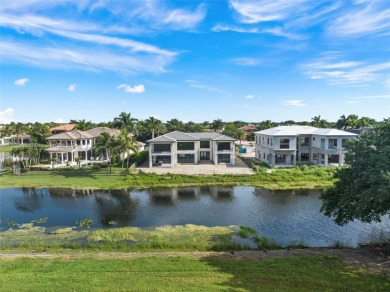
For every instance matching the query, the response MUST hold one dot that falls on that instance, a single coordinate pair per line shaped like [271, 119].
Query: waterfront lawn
[289, 178]
[185, 273]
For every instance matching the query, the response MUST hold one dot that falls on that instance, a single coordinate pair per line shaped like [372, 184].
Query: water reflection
[285, 216]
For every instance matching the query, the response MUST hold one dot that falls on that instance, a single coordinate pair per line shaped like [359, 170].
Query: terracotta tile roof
[63, 128]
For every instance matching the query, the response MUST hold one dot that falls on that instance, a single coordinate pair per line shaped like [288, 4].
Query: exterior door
[204, 155]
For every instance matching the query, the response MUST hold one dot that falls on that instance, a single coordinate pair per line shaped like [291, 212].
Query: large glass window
[163, 159]
[332, 143]
[280, 159]
[185, 158]
[284, 143]
[222, 146]
[185, 146]
[204, 144]
[161, 148]
[223, 158]
[305, 141]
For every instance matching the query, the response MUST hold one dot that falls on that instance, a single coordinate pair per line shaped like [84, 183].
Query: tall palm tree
[125, 121]
[217, 125]
[174, 125]
[154, 125]
[341, 122]
[104, 144]
[365, 122]
[82, 125]
[316, 121]
[353, 121]
[126, 144]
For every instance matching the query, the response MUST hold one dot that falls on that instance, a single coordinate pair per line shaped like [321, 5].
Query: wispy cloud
[7, 116]
[277, 31]
[60, 121]
[72, 87]
[339, 72]
[293, 102]
[21, 82]
[383, 96]
[251, 62]
[140, 88]
[249, 96]
[81, 58]
[183, 19]
[199, 85]
[367, 18]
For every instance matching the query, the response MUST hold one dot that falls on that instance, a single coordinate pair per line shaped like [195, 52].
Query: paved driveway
[200, 169]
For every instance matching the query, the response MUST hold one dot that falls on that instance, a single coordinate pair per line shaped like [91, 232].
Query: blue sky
[194, 60]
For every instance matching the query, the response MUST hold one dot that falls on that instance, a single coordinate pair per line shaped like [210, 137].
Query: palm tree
[105, 144]
[174, 125]
[82, 125]
[353, 121]
[316, 121]
[341, 122]
[126, 144]
[217, 125]
[154, 125]
[365, 122]
[125, 121]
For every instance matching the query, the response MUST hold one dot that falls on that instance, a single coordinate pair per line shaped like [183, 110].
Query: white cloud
[249, 96]
[199, 85]
[60, 121]
[21, 82]
[341, 72]
[132, 89]
[72, 87]
[293, 102]
[367, 18]
[383, 96]
[6, 116]
[277, 31]
[251, 62]
[42, 56]
[183, 19]
[255, 11]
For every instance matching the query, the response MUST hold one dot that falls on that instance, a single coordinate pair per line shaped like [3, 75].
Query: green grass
[185, 273]
[289, 178]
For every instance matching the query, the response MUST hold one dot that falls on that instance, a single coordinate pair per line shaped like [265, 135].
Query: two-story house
[190, 148]
[289, 145]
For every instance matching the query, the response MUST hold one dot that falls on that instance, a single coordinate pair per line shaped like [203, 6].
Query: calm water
[285, 216]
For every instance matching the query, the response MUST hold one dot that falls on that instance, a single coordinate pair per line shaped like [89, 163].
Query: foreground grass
[185, 273]
[291, 178]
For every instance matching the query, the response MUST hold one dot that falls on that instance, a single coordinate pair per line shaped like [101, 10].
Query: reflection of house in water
[282, 196]
[163, 196]
[222, 193]
[69, 193]
[188, 193]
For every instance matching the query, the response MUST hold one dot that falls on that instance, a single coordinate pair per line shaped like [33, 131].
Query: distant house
[20, 139]
[291, 145]
[63, 128]
[67, 146]
[249, 128]
[191, 148]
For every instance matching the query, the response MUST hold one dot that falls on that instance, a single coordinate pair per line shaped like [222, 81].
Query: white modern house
[67, 146]
[291, 145]
[190, 148]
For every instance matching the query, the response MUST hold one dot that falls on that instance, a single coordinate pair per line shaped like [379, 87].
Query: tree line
[149, 128]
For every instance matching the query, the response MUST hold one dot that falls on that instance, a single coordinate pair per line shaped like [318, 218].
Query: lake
[285, 216]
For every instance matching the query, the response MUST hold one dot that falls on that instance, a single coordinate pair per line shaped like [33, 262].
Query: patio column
[341, 159]
[62, 158]
[326, 160]
[150, 158]
[86, 155]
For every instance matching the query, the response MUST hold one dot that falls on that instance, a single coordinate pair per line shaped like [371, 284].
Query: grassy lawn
[290, 178]
[185, 273]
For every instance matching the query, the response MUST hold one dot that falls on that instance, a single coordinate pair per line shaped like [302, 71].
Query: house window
[332, 143]
[185, 158]
[305, 141]
[263, 155]
[284, 143]
[343, 143]
[267, 141]
[224, 146]
[280, 159]
[78, 142]
[161, 148]
[204, 144]
[314, 138]
[223, 158]
[305, 157]
[185, 146]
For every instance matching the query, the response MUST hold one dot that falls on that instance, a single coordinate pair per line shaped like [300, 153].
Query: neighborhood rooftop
[180, 136]
[302, 130]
